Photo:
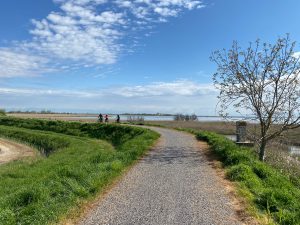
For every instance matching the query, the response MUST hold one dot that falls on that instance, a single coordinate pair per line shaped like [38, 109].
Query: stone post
[241, 131]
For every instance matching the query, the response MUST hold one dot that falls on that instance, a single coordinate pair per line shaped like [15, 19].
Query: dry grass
[278, 156]
[290, 137]
[217, 127]
[56, 116]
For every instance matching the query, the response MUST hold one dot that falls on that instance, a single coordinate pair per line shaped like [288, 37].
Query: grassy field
[78, 161]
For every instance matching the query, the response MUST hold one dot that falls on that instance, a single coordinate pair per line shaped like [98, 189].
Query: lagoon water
[160, 118]
[294, 150]
[231, 137]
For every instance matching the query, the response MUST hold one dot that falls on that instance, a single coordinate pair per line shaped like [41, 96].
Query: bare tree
[262, 80]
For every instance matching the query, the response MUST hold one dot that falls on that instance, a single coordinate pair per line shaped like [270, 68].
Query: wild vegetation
[266, 188]
[135, 119]
[262, 80]
[77, 166]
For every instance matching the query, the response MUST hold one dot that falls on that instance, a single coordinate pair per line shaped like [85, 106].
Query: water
[231, 137]
[294, 150]
[160, 118]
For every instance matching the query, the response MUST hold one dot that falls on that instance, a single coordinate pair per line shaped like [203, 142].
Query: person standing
[118, 119]
[106, 118]
[100, 118]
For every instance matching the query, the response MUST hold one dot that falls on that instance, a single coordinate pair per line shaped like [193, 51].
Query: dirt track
[10, 151]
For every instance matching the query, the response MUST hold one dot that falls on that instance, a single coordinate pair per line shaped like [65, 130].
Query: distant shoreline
[65, 114]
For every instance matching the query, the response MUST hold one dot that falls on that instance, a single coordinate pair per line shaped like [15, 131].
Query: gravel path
[173, 185]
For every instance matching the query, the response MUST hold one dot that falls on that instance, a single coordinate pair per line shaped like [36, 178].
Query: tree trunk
[262, 150]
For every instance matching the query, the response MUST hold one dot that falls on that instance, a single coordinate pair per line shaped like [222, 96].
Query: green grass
[46, 143]
[43, 190]
[271, 191]
[114, 133]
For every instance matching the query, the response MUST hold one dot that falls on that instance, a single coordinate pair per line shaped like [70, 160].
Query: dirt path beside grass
[173, 184]
[10, 151]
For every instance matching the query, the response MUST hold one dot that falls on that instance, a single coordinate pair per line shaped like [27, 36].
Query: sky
[117, 56]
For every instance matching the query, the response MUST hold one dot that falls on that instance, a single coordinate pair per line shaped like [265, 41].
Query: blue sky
[126, 56]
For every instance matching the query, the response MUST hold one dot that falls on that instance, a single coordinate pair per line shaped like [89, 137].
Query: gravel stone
[172, 185]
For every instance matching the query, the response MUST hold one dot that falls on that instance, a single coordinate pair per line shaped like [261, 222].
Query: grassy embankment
[267, 189]
[76, 166]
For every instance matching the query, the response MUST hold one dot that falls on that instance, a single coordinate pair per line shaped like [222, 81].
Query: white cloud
[78, 33]
[89, 31]
[296, 54]
[14, 63]
[163, 11]
[168, 97]
[177, 88]
[47, 92]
